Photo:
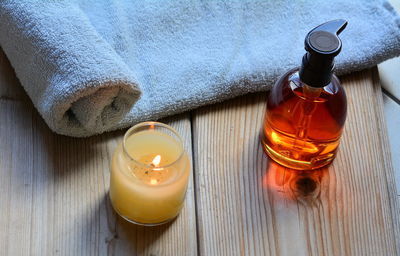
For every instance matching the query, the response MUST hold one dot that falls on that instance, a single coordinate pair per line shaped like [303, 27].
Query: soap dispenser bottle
[306, 108]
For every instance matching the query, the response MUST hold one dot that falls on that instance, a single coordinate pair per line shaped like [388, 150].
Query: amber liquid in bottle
[303, 124]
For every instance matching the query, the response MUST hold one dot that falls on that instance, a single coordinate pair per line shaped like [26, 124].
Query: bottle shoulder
[290, 94]
[290, 83]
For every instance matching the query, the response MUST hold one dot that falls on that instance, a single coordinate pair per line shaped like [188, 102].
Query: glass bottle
[306, 108]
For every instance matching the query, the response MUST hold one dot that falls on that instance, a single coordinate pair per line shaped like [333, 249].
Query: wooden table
[54, 201]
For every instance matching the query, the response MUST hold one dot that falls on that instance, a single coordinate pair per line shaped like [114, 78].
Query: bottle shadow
[293, 185]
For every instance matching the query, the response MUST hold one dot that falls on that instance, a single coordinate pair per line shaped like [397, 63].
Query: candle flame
[156, 161]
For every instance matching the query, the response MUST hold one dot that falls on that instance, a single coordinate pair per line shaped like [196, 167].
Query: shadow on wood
[125, 237]
[293, 185]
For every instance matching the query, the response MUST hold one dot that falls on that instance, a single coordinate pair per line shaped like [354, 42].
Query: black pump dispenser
[322, 45]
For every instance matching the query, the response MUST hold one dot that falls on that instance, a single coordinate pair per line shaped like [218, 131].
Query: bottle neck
[316, 70]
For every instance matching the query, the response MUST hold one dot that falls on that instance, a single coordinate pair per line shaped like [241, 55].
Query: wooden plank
[249, 205]
[54, 191]
[16, 176]
[392, 115]
[53, 195]
[177, 238]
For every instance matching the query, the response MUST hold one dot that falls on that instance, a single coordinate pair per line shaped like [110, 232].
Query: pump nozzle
[322, 44]
[324, 38]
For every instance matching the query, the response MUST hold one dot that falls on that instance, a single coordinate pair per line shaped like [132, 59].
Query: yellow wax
[142, 194]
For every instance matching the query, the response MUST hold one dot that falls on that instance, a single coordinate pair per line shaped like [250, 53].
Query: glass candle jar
[149, 174]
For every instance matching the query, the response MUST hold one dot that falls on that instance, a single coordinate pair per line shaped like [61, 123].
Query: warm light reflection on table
[293, 184]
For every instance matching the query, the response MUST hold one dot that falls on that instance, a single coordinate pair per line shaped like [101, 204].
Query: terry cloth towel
[83, 62]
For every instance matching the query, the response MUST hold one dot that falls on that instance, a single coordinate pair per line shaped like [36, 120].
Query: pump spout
[333, 26]
[322, 44]
[324, 38]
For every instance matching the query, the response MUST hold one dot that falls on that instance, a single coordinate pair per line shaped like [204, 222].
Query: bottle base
[296, 164]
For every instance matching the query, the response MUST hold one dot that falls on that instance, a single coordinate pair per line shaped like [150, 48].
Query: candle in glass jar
[149, 174]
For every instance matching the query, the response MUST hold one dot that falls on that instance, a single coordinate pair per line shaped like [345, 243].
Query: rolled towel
[76, 80]
[81, 61]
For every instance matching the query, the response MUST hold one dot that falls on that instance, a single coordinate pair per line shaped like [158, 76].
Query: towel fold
[85, 63]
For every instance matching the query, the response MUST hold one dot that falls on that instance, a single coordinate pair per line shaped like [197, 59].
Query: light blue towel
[85, 63]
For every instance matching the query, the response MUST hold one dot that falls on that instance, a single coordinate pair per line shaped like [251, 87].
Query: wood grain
[247, 205]
[53, 190]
